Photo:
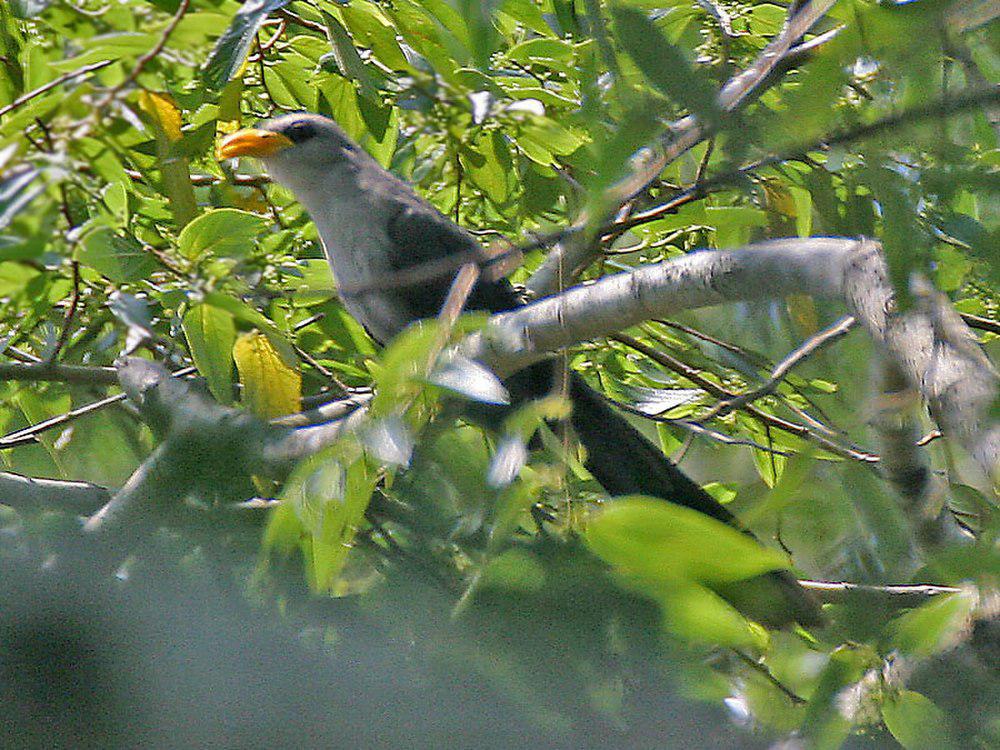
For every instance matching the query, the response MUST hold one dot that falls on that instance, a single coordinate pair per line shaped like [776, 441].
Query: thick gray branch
[206, 447]
[28, 493]
[948, 369]
[576, 250]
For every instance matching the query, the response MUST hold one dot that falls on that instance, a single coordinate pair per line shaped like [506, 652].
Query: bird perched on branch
[374, 227]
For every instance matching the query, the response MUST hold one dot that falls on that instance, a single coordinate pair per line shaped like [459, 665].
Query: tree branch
[145, 58]
[951, 375]
[203, 444]
[681, 136]
[77, 374]
[29, 493]
[904, 597]
[58, 81]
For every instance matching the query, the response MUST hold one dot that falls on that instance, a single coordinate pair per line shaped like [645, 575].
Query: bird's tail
[626, 463]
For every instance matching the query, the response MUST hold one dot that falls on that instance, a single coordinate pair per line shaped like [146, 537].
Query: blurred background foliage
[120, 233]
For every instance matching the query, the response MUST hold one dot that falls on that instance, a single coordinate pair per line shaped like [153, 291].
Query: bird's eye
[300, 131]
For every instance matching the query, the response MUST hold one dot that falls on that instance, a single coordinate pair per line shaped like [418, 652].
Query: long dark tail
[626, 463]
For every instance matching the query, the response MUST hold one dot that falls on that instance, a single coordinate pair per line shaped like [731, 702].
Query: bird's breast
[358, 249]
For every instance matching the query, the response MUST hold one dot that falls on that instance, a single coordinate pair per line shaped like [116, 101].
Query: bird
[373, 225]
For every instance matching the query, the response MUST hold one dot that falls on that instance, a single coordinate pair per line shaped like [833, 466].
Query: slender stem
[74, 302]
[904, 596]
[713, 389]
[28, 435]
[810, 345]
[144, 59]
[58, 81]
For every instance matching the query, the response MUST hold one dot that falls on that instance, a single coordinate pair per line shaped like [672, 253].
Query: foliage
[119, 232]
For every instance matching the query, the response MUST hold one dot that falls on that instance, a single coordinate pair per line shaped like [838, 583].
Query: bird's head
[292, 147]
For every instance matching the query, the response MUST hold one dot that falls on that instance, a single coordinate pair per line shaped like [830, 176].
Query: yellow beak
[251, 142]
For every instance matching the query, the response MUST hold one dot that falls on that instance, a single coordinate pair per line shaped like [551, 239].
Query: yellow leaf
[161, 109]
[271, 387]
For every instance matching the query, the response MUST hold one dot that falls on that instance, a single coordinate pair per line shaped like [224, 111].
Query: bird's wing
[423, 239]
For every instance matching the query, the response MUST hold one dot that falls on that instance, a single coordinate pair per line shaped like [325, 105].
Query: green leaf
[666, 67]
[348, 62]
[231, 48]
[210, 334]
[488, 163]
[917, 723]
[329, 493]
[226, 232]
[931, 627]
[825, 726]
[699, 615]
[371, 31]
[658, 542]
[241, 311]
[734, 225]
[516, 571]
[120, 258]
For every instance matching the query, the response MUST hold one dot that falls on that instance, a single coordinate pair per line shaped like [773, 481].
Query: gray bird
[374, 226]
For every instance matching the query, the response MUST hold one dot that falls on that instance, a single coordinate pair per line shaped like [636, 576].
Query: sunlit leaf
[18, 189]
[231, 48]
[930, 628]
[389, 440]
[163, 111]
[917, 723]
[118, 257]
[664, 64]
[271, 387]
[470, 379]
[659, 542]
[509, 458]
[222, 232]
[210, 334]
[699, 615]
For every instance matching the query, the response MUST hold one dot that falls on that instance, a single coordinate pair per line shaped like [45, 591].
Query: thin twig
[28, 435]
[728, 346]
[675, 365]
[58, 81]
[33, 494]
[74, 302]
[328, 412]
[298, 20]
[274, 39]
[695, 428]
[810, 345]
[144, 59]
[930, 437]
[981, 323]
[324, 371]
[462, 286]
[903, 596]
[769, 676]
[198, 180]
